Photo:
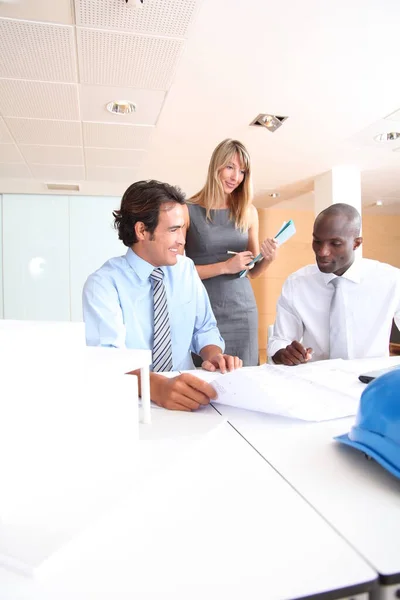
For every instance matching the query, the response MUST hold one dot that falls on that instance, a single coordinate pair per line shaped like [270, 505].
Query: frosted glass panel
[1, 258]
[93, 240]
[36, 257]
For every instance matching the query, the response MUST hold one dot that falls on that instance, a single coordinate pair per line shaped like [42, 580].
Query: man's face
[334, 242]
[162, 247]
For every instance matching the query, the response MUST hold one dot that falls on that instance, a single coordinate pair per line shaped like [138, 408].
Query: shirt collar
[353, 273]
[142, 268]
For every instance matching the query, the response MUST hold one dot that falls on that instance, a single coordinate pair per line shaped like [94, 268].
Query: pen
[231, 252]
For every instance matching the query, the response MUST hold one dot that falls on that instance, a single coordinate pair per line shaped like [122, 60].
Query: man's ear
[357, 242]
[140, 230]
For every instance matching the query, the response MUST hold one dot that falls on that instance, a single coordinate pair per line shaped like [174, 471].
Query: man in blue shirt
[120, 301]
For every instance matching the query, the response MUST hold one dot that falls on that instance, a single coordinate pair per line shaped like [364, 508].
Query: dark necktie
[162, 352]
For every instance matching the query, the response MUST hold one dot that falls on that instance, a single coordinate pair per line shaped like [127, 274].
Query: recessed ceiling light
[121, 107]
[270, 122]
[387, 137]
[379, 203]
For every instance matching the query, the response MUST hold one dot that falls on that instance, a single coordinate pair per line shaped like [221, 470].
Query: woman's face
[232, 175]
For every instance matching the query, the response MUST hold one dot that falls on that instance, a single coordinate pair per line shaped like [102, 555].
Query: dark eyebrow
[333, 239]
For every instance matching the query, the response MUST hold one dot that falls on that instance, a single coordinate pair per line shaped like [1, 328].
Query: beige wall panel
[264, 320]
[271, 220]
[267, 292]
[381, 235]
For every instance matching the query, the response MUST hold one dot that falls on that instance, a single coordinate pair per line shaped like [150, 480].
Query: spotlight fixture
[121, 107]
[270, 122]
[274, 194]
[387, 137]
[134, 3]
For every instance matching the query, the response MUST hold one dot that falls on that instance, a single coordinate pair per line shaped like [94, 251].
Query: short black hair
[349, 212]
[141, 202]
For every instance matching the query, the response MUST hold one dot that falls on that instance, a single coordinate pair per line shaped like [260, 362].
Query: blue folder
[286, 231]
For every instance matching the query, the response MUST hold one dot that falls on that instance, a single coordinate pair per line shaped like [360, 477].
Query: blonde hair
[212, 195]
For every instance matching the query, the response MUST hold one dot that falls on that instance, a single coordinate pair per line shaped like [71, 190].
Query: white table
[69, 436]
[217, 522]
[356, 496]
[41, 345]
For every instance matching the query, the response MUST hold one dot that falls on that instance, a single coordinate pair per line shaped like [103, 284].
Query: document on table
[310, 393]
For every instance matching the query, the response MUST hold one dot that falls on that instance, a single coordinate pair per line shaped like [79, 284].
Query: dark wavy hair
[141, 202]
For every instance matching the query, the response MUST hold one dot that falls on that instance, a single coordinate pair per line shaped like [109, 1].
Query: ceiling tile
[114, 174]
[113, 58]
[5, 136]
[94, 99]
[45, 132]
[39, 10]
[58, 173]
[105, 135]
[9, 153]
[155, 16]
[53, 155]
[15, 171]
[38, 100]
[100, 157]
[40, 51]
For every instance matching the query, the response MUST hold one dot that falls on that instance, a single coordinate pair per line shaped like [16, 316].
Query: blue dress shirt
[118, 308]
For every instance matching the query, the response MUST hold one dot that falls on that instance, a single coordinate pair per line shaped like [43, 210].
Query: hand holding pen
[239, 262]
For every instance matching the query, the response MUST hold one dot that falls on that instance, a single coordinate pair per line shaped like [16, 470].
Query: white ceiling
[199, 71]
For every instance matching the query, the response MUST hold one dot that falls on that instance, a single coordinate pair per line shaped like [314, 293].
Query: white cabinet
[93, 240]
[36, 266]
[50, 246]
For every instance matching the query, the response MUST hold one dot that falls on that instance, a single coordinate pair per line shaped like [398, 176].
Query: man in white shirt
[306, 327]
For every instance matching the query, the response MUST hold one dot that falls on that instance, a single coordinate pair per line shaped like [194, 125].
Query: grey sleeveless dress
[232, 299]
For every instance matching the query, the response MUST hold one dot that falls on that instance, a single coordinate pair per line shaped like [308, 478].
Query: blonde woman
[222, 218]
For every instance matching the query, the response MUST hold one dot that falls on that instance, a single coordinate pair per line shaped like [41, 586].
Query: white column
[341, 184]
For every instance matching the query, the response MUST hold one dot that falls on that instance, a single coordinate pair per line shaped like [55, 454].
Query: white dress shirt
[371, 292]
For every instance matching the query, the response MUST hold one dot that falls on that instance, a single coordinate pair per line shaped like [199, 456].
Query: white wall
[1, 258]
[50, 245]
[93, 240]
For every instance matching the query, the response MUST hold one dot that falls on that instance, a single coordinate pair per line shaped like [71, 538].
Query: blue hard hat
[376, 431]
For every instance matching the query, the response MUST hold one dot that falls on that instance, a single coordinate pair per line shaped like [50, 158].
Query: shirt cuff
[276, 345]
[202, 339]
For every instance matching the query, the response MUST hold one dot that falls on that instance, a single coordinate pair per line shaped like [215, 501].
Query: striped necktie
[162, 352]
[338, 343]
